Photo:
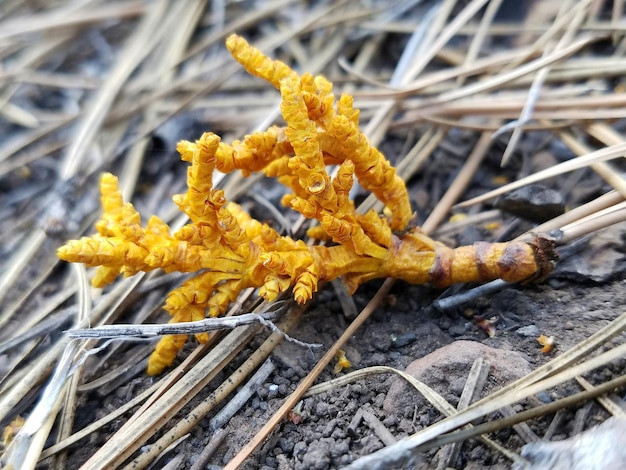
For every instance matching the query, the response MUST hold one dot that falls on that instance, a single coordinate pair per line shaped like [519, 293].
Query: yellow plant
[231, 251]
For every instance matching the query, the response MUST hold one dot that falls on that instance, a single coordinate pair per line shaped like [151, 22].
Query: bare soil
[586, 291]
[327, 436]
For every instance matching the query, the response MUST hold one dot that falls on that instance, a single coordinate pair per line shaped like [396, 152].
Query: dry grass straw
[173, 61]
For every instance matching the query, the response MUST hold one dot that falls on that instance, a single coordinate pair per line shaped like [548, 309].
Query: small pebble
[286, 445]
[530, 331]
[544, 397]
[533, 202]
[404, 339]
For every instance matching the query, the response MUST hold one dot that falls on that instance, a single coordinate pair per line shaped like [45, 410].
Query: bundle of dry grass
[448, 89]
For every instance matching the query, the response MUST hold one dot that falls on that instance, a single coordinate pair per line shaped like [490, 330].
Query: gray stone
[450, 364]
[530, 331]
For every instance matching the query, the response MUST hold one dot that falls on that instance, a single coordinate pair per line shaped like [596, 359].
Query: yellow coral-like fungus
[232, 251]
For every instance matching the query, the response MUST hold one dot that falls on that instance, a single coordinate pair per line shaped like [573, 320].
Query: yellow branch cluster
[232, 251]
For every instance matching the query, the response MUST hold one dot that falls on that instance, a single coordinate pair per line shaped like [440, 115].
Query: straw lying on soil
[446, 88]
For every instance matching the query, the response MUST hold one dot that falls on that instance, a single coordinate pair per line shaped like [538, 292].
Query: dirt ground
[328, 436]
[584, 293]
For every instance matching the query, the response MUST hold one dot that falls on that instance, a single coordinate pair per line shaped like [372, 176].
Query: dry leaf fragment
[342, 362]
[547, 342]
[295, 414]
[488, 325]
[11, 429]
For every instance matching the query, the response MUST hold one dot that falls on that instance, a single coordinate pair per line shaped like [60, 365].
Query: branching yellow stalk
[231, 251]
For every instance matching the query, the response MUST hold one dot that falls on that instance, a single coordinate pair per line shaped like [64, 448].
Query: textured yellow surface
[232, 251]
